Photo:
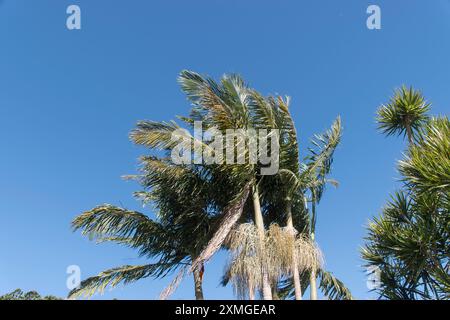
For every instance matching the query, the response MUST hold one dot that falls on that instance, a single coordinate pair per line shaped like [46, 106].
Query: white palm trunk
[312, 280]
[251, 291]
[295, 271]
[267, 292]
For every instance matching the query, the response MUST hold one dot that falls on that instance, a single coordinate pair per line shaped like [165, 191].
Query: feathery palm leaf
[332, 287]
[112, 277]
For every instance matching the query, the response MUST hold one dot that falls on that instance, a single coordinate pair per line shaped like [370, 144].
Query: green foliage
[112, 277]
[332, 287]
[426, 167]
[173, 239]
[405, 113]
[409, 243]
[317, 167]
[18, 294]
[196, 205]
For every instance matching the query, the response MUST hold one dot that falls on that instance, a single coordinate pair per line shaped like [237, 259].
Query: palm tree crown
[404, 114]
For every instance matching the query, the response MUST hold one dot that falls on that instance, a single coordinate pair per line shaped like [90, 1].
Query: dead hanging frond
[309, 256]
[279, 244]
[248, 257]
[279, 254]
[245, 275]
[244, 269]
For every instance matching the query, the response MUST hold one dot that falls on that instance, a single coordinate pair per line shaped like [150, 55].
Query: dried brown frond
[309, 256]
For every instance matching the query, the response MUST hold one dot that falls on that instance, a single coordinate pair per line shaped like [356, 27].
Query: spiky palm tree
[404, 114]
[408, 244]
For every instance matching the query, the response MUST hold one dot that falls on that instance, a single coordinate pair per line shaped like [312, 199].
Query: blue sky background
[68, 100]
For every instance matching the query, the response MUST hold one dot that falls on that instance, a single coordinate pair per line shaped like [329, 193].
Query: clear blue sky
[68, 100]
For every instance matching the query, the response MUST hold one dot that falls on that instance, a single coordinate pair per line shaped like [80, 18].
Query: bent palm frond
[332, 287]
[112, 277]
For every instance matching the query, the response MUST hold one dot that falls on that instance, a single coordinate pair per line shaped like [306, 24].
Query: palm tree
[310, 181]
[292, 183]
[287, 183]
[404, 114]
[220, 106]
[408, 243]
[232, 105]
[209, 199]
[317, 168]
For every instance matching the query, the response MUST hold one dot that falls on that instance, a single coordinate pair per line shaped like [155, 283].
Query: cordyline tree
[409, 244]
[202, 207]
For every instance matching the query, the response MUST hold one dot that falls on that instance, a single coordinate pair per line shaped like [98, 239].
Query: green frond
[155, 134]
[332, 287]
[318, 163]
[209, 99]
[108, 220]
[164, 136]
[112, 277]
[427, 163]
[130, 228]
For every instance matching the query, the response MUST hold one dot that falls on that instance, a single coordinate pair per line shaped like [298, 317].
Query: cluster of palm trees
[408, 245]
[266, 222]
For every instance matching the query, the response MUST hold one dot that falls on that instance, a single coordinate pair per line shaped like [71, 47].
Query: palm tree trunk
[312, 275]
[251, 291]
[409, 132]
[312, 279]
[231, 215]
[295, 271]
[198, 280]
[267, 292]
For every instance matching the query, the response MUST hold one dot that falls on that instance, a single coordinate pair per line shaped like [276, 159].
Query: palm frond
[427, 163]
[332, 287]
[112, 277]
[131, 228]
